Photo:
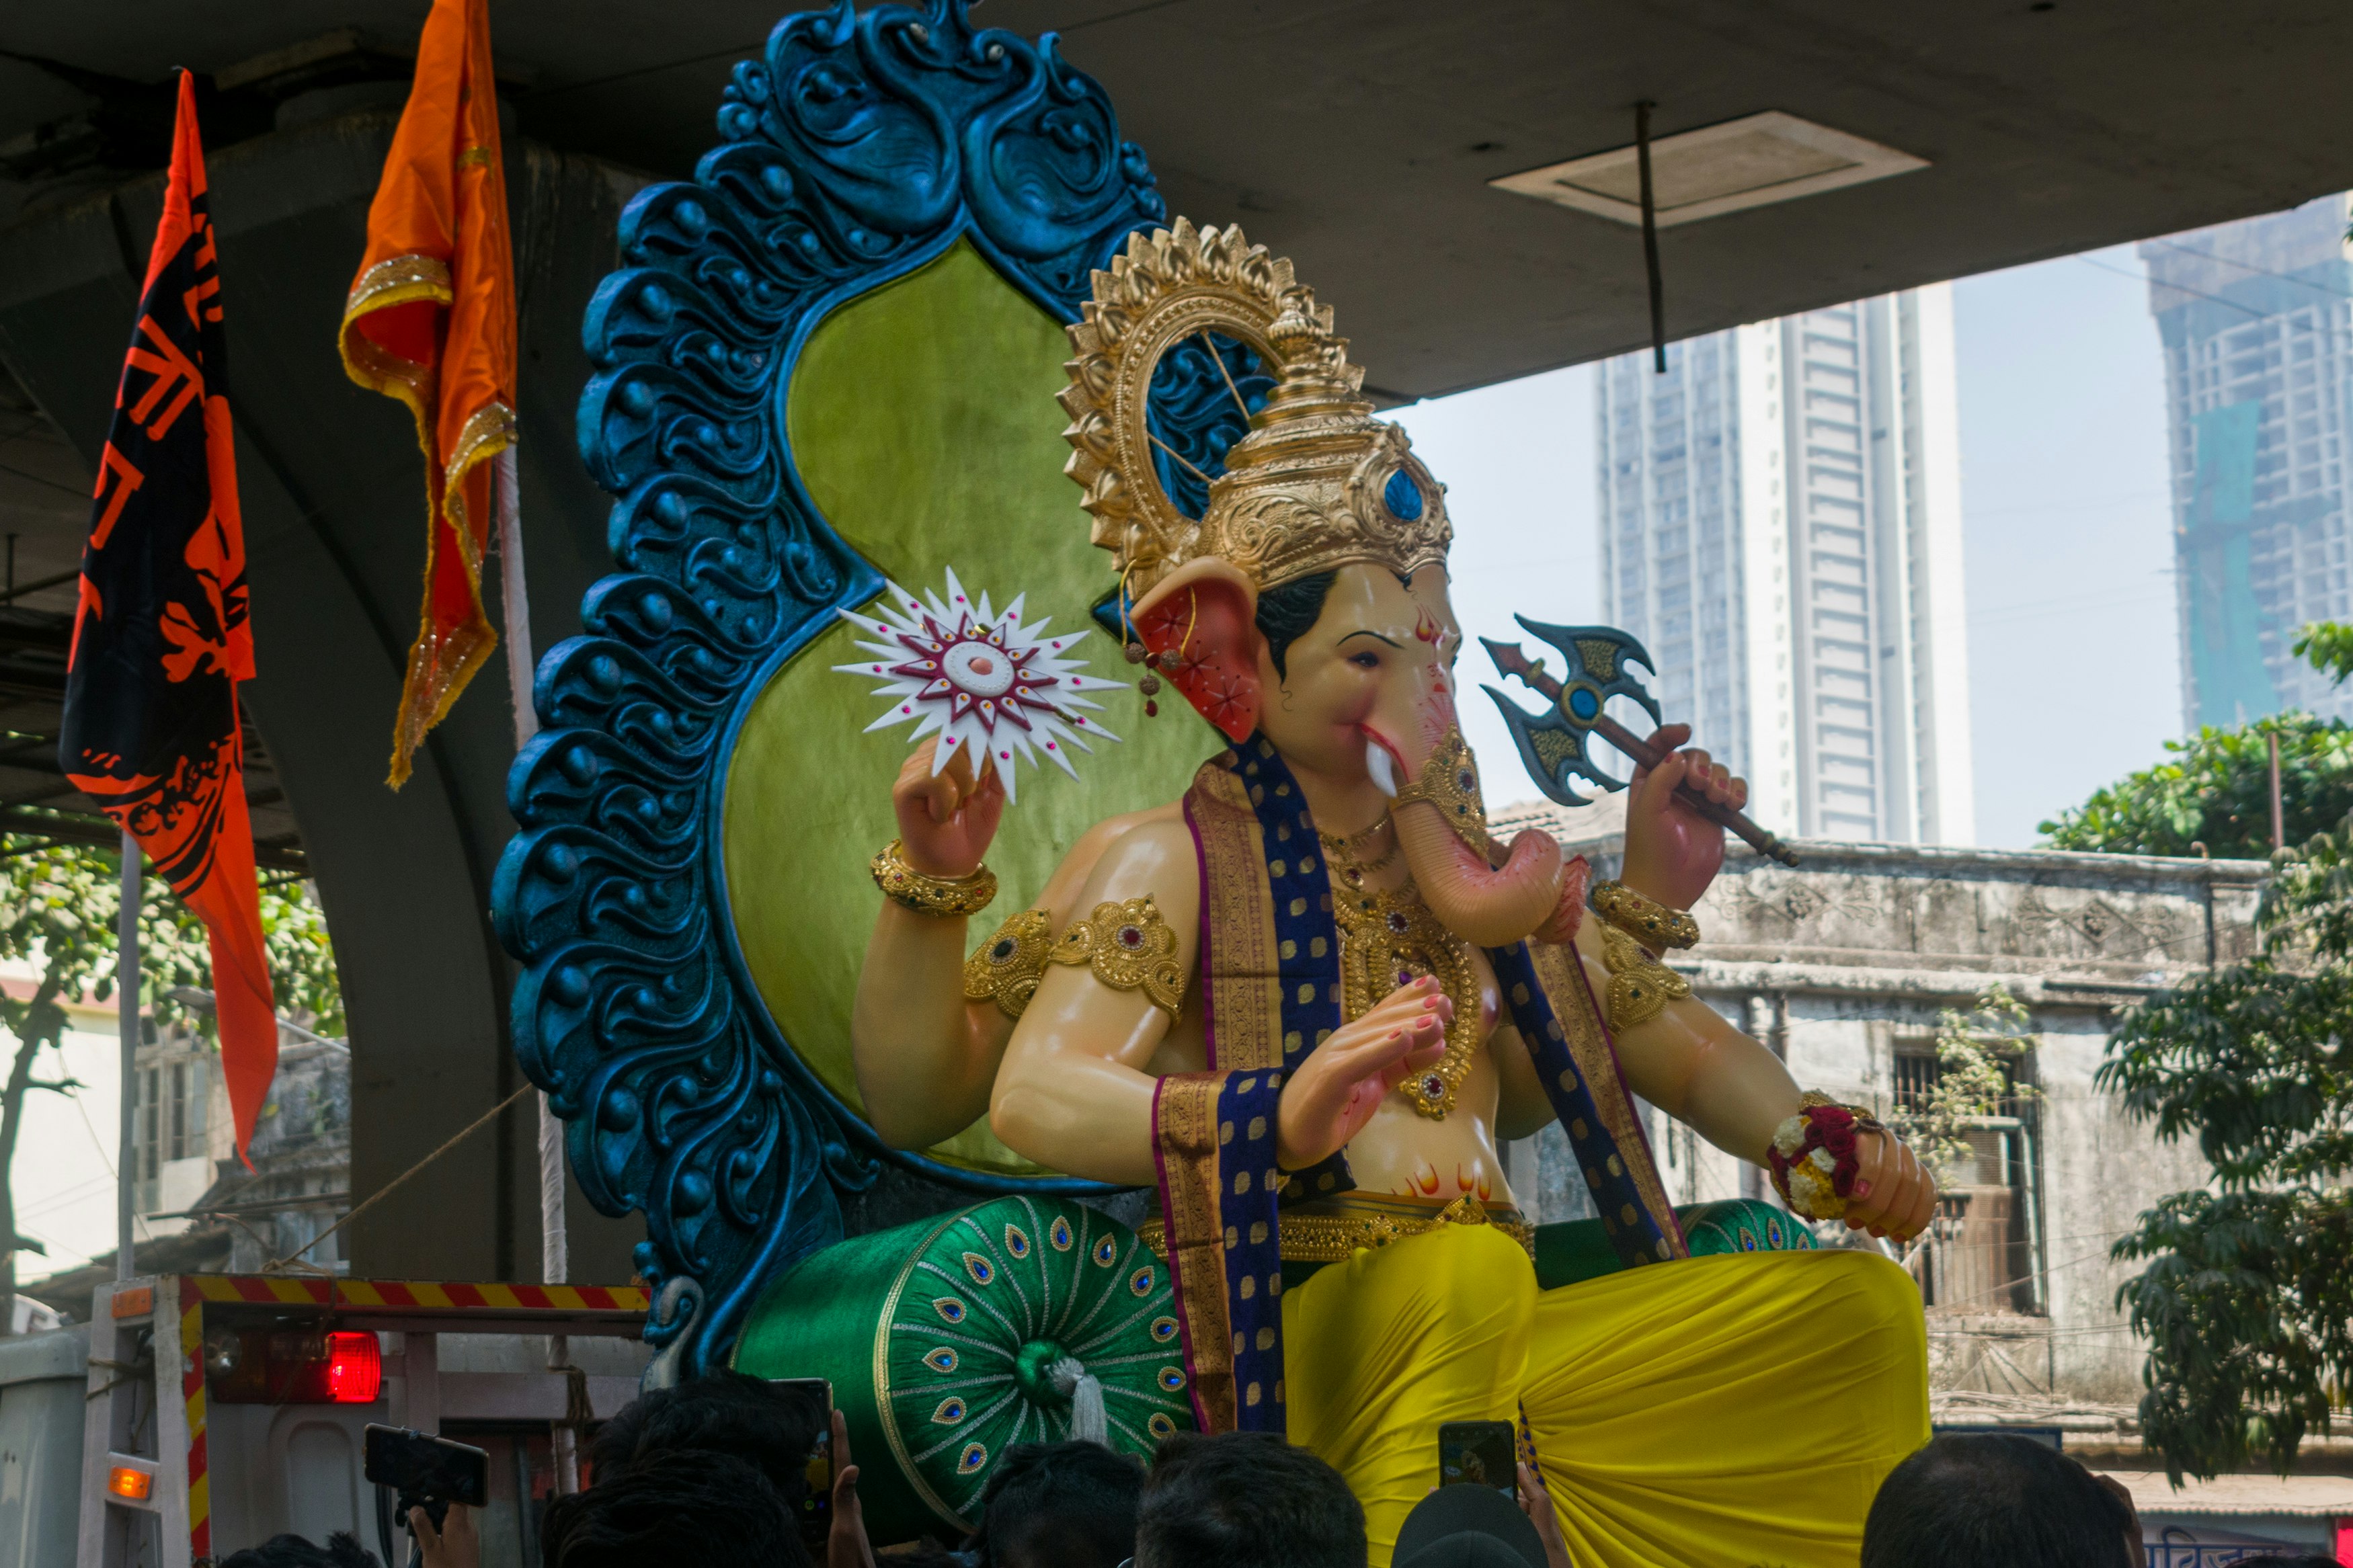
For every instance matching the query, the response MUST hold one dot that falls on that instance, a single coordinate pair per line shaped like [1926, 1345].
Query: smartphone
[432, 1471]
[1479, 1454]
[816, 1504]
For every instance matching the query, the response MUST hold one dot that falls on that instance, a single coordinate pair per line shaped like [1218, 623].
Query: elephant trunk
[1492, 906]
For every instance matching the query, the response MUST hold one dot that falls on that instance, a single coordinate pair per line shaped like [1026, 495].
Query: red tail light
[292, 1366]
[355, 1370]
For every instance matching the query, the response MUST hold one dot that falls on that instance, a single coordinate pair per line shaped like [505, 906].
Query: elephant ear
[1202, 619]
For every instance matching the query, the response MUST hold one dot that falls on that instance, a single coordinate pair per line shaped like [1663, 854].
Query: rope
[1089, 1422]
[1216, 359]
[275, 1265]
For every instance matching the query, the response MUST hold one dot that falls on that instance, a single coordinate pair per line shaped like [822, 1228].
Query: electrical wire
[2177, 288]
[2250, 266]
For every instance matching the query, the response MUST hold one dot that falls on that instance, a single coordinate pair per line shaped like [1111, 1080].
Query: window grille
[1984, 1252]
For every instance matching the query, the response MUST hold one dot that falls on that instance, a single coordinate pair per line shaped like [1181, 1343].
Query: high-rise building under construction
[2256, 319]
[1780, 525]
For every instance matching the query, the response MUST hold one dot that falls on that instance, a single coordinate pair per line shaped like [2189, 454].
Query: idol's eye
[1366, 660]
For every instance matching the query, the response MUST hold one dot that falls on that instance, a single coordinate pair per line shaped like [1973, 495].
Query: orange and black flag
[431, 320]
[161, 637]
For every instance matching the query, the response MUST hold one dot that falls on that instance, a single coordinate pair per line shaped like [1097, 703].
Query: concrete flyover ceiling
[1357, 136]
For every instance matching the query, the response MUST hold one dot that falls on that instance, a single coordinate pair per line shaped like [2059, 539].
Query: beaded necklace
[1390, 939]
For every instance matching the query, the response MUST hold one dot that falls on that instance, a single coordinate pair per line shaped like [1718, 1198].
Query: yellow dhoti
[1731, 1410]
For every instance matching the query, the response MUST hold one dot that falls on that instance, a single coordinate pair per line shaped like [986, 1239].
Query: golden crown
[1318, 483]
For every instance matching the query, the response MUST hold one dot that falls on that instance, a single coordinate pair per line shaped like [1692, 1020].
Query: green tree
[58, 909]
[1976, 1077]
[2216, 790]
[2247, 1299]
[2247, 1302]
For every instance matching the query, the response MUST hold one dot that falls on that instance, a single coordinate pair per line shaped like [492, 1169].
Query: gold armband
[1639, 985]
[1450, 781]
[931, 895]
[1128, 946]
[1648, 921]
[1005, 969]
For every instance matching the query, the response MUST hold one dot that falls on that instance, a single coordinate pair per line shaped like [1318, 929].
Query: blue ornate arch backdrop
[860, 148]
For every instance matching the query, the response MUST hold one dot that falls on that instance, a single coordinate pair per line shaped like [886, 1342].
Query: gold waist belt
[1331, 1234]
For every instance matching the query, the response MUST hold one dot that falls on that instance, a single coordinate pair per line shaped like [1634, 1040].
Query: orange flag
[431, 320]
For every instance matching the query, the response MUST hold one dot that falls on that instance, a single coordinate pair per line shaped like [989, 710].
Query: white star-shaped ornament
[979, 679]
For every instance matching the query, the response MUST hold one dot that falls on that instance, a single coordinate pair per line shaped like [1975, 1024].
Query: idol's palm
[1335, 1091]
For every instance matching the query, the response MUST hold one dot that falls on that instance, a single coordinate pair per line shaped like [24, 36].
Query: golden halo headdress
[1318, 483]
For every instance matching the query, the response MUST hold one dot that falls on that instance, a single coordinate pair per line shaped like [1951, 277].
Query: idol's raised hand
[945, 821]
[1334, 1092]
[1672, 852]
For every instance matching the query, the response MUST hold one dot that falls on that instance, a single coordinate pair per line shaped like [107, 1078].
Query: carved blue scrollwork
[1200, 406]
[858, 148]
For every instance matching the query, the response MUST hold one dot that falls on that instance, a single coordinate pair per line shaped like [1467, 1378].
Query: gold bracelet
[1639, 985]
[1646, 920]
[1128, 946]
[1450, 781]
[1005, 969]
[931, 895]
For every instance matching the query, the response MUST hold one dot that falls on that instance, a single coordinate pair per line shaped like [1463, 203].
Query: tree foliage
[1974, 1053]
[2216, 790]
[2327, 647]
[2247, 1299]
[60, 904]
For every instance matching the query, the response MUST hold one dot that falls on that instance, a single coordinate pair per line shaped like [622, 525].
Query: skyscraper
[2258, 334]
[1780, 525]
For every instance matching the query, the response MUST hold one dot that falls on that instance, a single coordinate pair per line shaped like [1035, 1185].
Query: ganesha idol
[1307, 1001]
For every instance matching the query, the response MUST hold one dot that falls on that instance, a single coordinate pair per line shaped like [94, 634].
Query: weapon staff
[1554, 744]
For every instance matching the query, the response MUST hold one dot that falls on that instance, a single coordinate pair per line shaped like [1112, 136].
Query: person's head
[772, 1426]
[1060, 1505]
[680, 1508]
[1468, 1526]
[1991, 1497]
[1246, 1499]
[341, 1551]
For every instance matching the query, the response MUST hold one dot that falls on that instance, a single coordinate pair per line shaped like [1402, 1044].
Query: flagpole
[126, 987]
[554, 1244]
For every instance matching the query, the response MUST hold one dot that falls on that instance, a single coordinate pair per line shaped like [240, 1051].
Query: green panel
[937, 1336]
[2226, 623]
[923, 420]
[1577, 1250]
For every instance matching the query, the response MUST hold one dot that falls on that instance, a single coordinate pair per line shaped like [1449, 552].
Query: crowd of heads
[715, 1474]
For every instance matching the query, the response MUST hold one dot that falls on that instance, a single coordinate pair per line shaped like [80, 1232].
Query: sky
[2074, 672]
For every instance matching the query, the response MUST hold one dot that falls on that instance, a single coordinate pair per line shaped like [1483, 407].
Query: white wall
[63, 1175]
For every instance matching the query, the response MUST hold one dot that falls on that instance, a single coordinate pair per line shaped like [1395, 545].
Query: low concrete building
[1843, 966]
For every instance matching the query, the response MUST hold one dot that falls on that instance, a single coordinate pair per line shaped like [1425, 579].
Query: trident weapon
[1556, 745]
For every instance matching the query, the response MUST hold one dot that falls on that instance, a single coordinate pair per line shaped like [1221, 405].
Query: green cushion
[1577, 1250]
[937, 1338]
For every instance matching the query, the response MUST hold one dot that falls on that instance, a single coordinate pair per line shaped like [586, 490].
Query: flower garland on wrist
[1813, 1155]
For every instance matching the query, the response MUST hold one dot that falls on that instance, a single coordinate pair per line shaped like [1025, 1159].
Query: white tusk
[1384, 772]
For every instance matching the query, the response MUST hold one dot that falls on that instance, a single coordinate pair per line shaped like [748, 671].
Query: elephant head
[1349, 674]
